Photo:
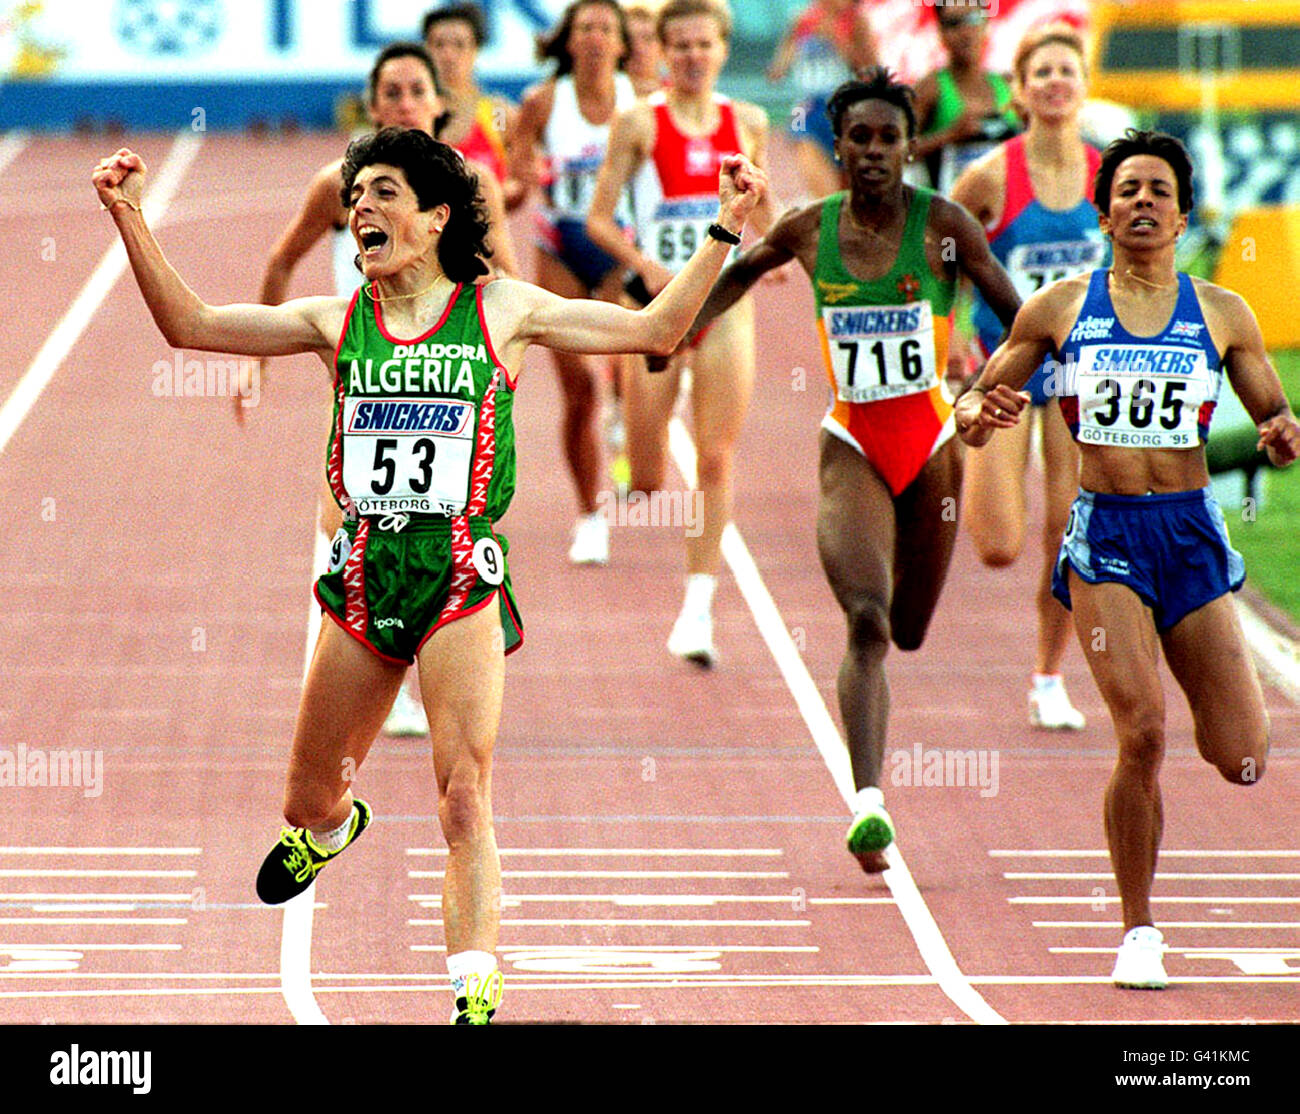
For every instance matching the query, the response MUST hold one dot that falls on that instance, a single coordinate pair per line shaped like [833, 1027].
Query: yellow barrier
[1261, 262]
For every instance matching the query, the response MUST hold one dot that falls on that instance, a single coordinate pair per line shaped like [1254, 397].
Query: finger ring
[998, 412]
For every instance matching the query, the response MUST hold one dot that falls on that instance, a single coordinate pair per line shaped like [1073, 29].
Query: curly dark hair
[874, 84]
[555, 44]
[1134, 142]
[438, 175]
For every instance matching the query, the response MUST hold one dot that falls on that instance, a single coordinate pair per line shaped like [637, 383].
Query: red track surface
[161, 618]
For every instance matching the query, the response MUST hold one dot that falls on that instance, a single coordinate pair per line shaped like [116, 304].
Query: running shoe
[590, 540]
[1050, 708]
[1138, 963]
[871, 831]
[479, 1002]
[406, 716]
[692, 638]
[295, 860]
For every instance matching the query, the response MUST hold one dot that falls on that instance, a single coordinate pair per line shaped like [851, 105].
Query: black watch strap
[720, 233]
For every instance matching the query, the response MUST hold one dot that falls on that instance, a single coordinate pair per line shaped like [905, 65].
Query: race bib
[1033, 266]
[880, 352]
[573, 187]
[1143, 396]
[678, 229]
[407, 454]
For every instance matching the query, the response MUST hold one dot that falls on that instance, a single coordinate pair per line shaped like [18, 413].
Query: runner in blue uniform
[1146, 564]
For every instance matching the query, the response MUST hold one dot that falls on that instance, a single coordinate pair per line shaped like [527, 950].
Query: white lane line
[56, 873]
[1234, 900]
[607, 922]
[1186, 951]
[100, 850]
[916, 914]
[94, 920]
[1172, 924]
[620, 852]
[86, 304]
[96, 897]
[1164, 854]
[714, 874]
[7, 948]
[11, 146]
[1277, 655]
[621, 949]
[295, 929]
[1105, 876]
[514, 900]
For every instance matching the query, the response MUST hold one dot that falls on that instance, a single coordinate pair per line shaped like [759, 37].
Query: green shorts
[391, 589]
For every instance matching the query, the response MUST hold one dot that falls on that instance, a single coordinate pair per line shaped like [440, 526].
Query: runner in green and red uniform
[422, 460]
[884, 259]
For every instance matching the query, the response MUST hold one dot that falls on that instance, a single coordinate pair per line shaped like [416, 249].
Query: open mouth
[372, 239]
[1143, 222]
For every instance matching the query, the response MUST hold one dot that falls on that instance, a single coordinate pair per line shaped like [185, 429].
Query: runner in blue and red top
[1034, 197]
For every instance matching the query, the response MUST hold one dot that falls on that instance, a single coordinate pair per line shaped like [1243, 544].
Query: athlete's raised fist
[119, 177]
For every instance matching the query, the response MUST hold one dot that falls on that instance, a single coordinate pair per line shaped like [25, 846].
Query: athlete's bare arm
[523, 314]
[1234, 328]
[321, 211]
[996, 399]
[754, 136]
[963, 248]
[631, 138]
[793, 236]
[980, 189]
[185, 320]
[524, 141]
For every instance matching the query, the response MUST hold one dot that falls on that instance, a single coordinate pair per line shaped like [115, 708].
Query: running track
[671, 839]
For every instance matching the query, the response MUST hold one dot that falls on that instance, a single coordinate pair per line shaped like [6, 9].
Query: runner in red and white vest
[668, 148]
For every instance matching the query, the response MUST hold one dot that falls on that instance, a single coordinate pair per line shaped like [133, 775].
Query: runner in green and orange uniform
[884, 260]
[421, 459]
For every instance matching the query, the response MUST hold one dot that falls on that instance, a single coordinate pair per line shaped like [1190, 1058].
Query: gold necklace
[402, 297]
[1128, 273]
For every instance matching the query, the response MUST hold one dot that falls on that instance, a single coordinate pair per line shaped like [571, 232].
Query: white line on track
[100, 850]
[86, 304]
[295, 929]
[1164, 854]
[1172, 924]
[920, 922]
[1236, 899]
[715, 874]
[619, 852]
[607, 922]
[11, 147]
[1161, 876]
[60, 873]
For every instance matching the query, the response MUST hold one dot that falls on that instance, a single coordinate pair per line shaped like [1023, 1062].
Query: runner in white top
[565, 121]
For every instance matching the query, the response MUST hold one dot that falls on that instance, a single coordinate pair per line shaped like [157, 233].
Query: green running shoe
[871, 830]
[295, 860]
[480, 1000]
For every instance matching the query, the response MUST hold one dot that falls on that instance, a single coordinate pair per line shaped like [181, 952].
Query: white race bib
[407, 454]
[1143, 396]
[880, 352]
[1033, 266]
[678, 228]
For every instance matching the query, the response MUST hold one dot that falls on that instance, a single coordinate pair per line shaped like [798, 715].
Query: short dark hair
[464, 13]
[400, 50]
[555, 44]
[438, 175]
[1134, 142]
[874, 84]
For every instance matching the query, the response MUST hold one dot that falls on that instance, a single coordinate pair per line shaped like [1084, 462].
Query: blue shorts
[811, 122]
[568, 241]
[1171, 549]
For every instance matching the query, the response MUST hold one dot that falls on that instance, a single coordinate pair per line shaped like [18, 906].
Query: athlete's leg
[855, 540]
[1061, 485]
[1118, 637]
[346, 696]
[648, 401]
[722, 382]
[578, 382]
[817, 170]
[1208, 656]
[993, 498]
[462, 672]
[926, 532]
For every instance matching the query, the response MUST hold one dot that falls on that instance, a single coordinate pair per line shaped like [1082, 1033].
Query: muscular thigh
[722, 375]
[1118, 636]
[926, 514]
[855, 525]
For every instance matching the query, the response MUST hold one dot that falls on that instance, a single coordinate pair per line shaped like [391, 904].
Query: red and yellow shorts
[895, 435]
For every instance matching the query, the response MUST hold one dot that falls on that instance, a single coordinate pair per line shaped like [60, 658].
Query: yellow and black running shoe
[295, 860]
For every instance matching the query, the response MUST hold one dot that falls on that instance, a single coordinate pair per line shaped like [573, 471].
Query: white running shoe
[406, 717]
[590, 540]
[1050, 707]
[692, 638]
[1138, 964]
